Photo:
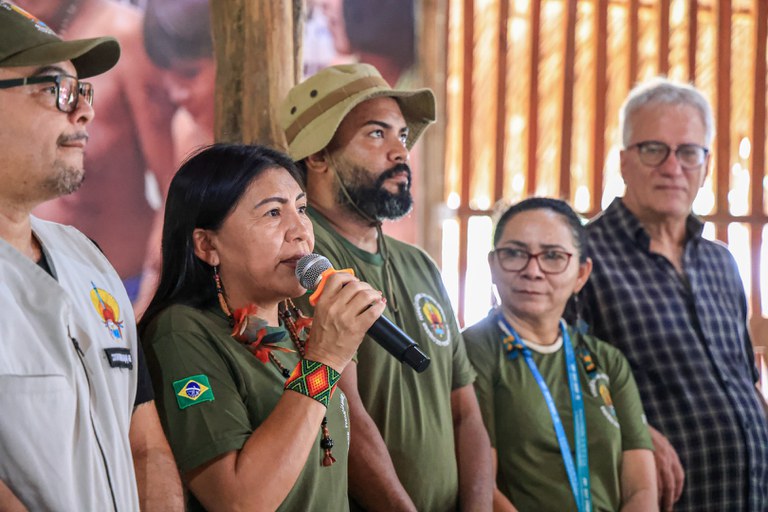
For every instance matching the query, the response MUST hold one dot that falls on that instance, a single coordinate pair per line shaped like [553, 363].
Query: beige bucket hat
[314, 108]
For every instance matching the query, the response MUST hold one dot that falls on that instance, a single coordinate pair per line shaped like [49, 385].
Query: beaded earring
[580, 325]
[220, 294]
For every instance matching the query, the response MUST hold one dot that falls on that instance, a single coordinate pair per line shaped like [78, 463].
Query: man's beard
[370, 196]
[67, 179]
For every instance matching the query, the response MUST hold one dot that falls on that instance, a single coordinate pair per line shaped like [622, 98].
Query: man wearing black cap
[130, 144]
[77, 411]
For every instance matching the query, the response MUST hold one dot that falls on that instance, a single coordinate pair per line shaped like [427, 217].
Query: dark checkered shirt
[687, 342]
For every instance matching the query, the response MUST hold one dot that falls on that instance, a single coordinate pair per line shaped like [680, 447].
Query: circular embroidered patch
[432, 318]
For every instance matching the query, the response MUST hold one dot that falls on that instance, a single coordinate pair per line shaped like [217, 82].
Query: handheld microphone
[312, 270]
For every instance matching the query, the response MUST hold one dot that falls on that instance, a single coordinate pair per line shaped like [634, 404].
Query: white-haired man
[673, 302]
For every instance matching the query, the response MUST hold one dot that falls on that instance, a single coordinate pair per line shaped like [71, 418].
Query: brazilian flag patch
[192, 390]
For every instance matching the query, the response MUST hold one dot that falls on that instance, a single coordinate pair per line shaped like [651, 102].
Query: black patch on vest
[119, 358]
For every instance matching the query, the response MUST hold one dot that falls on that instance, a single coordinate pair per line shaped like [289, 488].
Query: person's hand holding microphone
[315, 272]
[344, 311]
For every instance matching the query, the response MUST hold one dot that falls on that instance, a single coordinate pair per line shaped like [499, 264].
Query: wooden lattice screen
[533, 93]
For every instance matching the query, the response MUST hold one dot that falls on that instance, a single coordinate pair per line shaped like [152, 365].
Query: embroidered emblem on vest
[192, 390]
[432, 318]
[109, 311]
[598, 387]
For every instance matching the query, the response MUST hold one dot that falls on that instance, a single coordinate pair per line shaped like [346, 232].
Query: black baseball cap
[27, 41]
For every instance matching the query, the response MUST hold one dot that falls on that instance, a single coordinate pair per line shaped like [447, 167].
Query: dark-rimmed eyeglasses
[550, 261]
[68, 89]
[654, 153]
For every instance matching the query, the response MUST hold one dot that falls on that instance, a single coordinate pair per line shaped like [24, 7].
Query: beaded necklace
[251, 331]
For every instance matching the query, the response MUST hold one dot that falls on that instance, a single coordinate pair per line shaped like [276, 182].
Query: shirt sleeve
[484, 365]
[203, 430]
[144, 391]
[463, 373]
[626, 400]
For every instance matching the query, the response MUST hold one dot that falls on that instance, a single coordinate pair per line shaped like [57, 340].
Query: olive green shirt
[183, 342]
[531, 472]
[412, 410]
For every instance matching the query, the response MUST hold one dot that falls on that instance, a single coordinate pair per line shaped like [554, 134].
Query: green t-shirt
[531, 472]
[183, 342]
[412, 410]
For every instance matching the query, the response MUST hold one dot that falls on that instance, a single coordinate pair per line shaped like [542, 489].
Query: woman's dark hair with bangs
[558, 206]
[204, 191]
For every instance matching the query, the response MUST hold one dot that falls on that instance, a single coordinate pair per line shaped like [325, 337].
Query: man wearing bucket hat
[417, 439]
[77, 412]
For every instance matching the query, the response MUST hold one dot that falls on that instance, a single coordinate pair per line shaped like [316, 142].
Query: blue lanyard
[579, 480]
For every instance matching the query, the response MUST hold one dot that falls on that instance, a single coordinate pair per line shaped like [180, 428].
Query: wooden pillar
[258, 58]
[432, 45]
[467, 167]
[723, 116]
[533, 100]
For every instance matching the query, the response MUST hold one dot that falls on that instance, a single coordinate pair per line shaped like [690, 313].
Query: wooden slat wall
[601, 88]
[634, 31]
[664, 37]
[758, 147]
[533, 95]
[501, 100]
[693, 27]
[600, 11]
[568, 79]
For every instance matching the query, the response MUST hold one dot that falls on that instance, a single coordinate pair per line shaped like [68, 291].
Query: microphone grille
[309, 268]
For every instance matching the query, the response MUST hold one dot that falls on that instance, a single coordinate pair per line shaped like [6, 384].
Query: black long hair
[204, 191]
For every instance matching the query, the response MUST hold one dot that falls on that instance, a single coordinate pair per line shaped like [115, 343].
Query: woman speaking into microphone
[245, 384]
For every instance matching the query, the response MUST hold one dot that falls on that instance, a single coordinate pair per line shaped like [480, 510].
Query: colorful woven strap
[314, 380]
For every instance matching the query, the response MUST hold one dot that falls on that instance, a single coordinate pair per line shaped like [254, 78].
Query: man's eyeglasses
[68, 89]
[549, 261]
[654, 153]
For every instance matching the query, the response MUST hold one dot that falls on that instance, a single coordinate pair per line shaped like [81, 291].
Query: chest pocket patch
[598, 388]
[119, 358]
[108, 309]
[432, 319]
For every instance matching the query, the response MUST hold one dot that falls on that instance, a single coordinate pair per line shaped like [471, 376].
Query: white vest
[64, 414]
